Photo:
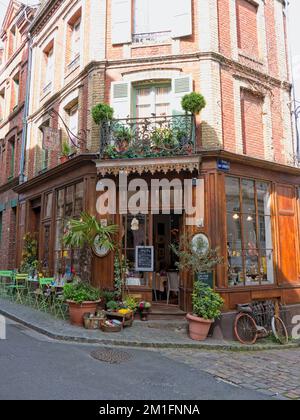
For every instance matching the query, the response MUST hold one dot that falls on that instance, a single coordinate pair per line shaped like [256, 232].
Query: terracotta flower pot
[77, 310]
[63, 159]
[198, 327]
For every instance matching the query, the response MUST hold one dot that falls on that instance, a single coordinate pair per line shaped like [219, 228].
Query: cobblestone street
[273, 373]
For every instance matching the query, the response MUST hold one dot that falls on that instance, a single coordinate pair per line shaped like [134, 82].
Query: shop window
[69, 204]
[247, 27]
[249, 232]
[135, 234]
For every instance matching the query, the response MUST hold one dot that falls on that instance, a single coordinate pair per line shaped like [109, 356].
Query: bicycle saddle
[246, 307]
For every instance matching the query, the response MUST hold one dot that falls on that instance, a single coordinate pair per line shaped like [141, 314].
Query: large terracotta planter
[77, 310]
[198, 327]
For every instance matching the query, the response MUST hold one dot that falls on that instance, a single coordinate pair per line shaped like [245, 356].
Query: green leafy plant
[130, 303]
[112, 305]
[89, 231]
[107, 295]
[123, 133]
[193, 102]
[163, 137]
[120, 268]
[66, 149]
[30, 262]
[102, 112]
[81, 292]
[192, 258]
[111, 152]
[206, 303]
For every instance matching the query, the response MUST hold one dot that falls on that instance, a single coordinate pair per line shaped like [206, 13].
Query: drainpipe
[296, 107]
[26, 109]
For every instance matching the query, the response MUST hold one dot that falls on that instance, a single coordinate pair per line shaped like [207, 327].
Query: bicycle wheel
[279, 330]
[245, 329]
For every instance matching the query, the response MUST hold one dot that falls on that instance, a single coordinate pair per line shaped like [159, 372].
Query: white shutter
[181, 85]
[121, 99]
[182, 18]
[121, 22]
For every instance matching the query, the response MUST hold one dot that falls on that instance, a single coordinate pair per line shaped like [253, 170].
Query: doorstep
[150, 334]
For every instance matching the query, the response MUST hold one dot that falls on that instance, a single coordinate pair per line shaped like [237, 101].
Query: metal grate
[111, 356]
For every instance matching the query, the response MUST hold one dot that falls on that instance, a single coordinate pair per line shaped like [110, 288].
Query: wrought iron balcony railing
[148, 137]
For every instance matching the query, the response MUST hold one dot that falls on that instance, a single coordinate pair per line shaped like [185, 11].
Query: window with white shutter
[75, 40]
[121, 30]
[181, 86]
[182, 18]
[121, 99]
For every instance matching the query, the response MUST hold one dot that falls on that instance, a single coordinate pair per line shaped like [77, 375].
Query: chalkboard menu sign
[206, 277]
[144, 258]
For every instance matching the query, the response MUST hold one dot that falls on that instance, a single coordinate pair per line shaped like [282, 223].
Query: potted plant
[144, 309]
[86, 233]
[82, 298]
[207, 306]
[123, 137]
[102, 113]
[193, 102]
[66, 150]
[197, 257]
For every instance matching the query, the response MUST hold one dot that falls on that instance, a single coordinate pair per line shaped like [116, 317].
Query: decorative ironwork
[78, 141]
[152, 37]
[148, 137]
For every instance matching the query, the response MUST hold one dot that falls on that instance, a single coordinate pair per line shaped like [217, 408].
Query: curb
[135, 344]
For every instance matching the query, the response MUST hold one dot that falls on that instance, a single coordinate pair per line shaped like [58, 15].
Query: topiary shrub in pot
[207, 306]
[102, 112]
[81, 298]
[193, 102]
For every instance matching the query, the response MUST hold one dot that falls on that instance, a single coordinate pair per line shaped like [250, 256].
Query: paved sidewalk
[155, 334]
[275, 373]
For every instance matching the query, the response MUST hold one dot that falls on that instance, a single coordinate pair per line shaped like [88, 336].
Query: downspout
[22, 177]
[294, 101]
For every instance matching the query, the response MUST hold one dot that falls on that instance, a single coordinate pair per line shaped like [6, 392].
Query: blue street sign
[223, 165]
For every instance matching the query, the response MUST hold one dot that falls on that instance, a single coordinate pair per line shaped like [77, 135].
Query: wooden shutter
[181, 85]
[182, 18]
[121, 99]
[121, 30]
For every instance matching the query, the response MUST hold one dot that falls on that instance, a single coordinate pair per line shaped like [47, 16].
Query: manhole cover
[111, 355]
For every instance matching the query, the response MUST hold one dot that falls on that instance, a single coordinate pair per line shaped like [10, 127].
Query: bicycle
[258, 320]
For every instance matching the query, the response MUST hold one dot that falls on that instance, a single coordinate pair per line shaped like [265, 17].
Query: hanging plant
[102, 112]
[193, 102]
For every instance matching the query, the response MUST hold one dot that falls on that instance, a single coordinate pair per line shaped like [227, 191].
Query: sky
[294, 36]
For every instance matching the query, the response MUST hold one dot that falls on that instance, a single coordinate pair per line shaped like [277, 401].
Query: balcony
[148, 137]
[151, 38]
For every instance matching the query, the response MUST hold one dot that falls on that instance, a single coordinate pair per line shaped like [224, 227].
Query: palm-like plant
[86, 232]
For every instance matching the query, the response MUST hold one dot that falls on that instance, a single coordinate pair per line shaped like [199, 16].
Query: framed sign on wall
[144, 258]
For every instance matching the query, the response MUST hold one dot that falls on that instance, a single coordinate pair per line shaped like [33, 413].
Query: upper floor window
[73, 123]
[11, 147]
[142, 21]
[15, 90]
[75, 40]
[249, 232]
[153, 100]
[247, 28]
[152, 20]
[12, 39]
[49, 69]
[2, 105]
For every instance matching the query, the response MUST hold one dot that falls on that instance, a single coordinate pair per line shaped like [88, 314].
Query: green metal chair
[4, 284]
[19, 287]
[42, 297]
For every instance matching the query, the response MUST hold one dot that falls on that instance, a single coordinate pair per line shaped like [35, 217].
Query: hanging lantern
[135, 225]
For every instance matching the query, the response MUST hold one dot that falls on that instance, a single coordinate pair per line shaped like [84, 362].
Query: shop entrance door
[165, 287]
